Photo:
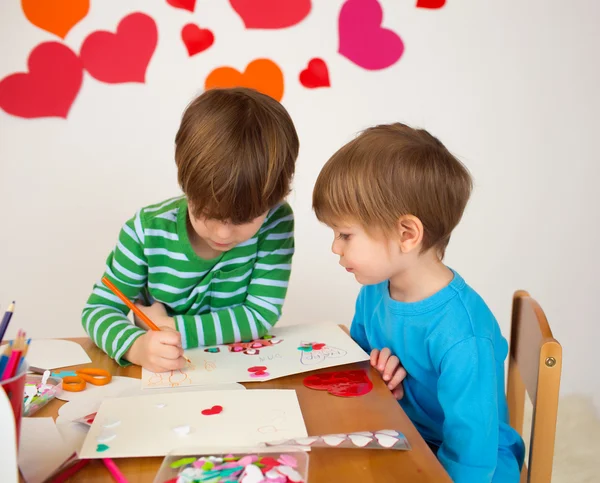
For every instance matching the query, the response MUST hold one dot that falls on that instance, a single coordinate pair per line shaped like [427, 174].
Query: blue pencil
[4, 358]
[6, 319]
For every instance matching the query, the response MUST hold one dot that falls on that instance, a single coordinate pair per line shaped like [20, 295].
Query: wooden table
[323, 414]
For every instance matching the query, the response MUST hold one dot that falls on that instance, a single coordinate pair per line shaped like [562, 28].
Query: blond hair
[235, 152]
[389, 171]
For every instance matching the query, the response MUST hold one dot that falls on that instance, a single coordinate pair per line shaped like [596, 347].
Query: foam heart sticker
[362, 38]
[315, 75]
[183, 4]
[264, 75]
[49, 88]
[212, 411]
[196, 40]
[341, 383]
[334, 439]
[430, 3]
[271, 14]
[385, 440]
[55, 16]
[306, 441]
[123, 56]
[360, 440]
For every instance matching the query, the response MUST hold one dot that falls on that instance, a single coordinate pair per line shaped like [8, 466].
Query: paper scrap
[8, 468]
[55, 353]
[42, 449]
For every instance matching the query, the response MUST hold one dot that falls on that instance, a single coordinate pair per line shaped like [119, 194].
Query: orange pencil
[129, 304]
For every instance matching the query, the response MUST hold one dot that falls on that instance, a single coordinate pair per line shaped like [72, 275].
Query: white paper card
[42, 449]
[291, 350]
[156, 424]
[55, 353]
[8, 450]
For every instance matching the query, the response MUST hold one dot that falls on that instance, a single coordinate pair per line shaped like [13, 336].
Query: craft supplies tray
[277, 465]
[44, 394]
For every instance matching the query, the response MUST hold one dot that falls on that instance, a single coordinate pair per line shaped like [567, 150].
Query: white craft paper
[281, 359]
[147, 422]
[55, 353]
[42, 449]
[8, 450]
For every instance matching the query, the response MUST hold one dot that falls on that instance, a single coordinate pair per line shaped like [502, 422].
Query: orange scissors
[77, 383]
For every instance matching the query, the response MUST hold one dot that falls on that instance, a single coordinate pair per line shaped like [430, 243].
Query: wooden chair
[534, 367]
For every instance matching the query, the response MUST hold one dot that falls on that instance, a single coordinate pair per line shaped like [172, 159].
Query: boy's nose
[224, 231]
[336, 248]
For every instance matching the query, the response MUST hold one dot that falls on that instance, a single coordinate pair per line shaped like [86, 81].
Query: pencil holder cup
[14, 389]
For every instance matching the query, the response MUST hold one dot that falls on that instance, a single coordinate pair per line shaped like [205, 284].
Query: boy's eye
[343, 236]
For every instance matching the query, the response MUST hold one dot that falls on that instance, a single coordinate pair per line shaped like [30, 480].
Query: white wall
[511, 88]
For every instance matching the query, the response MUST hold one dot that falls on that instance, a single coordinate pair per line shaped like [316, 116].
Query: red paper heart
[257, 369]
[124, 56]
[49, 88]
[315, 75]
[271, 14]
[341, 383]
[184, 4]
[196, 39]
[431, 3]
[318, 347]
[212, 411]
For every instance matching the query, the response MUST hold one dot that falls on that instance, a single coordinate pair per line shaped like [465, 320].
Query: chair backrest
[534, 366]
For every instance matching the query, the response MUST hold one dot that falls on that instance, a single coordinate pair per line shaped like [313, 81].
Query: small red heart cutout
[318, 347]
[196, 39]
[431, 3]
[183, 4]
[315, 75]
[341, 383]
[212, 411]
[257, 369]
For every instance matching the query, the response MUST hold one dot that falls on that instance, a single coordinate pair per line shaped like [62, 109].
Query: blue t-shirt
[453, 351]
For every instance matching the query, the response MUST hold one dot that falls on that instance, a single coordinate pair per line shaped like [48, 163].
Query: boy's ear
[410, 233]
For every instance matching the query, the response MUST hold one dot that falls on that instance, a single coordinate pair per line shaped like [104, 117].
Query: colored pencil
[69, 471]
[114, 470]
[4, 358]
[132, 306]
[6, 319]
[11, 366]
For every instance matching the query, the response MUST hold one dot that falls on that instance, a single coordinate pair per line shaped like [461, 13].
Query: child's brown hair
[389, 171]
[235, 152]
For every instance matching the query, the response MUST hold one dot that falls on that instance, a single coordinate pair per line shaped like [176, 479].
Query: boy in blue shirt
[393, 195]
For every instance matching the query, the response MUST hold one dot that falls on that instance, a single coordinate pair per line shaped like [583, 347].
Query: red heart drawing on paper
[362, 38]
[271, 14]
[212, 411]
[340, 383]
[49, 88]
[257, 369]
[196, 39]
[315, 75]
[123, 56]
[184, 4]
[318, 346]
[431, 3]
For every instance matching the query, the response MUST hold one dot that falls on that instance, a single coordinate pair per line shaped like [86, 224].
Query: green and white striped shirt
[234, 297]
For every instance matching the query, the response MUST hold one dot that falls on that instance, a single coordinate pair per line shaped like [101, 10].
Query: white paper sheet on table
[8, 450]
[42, 449]
[284, 358]
[56, 353]
[143, 425]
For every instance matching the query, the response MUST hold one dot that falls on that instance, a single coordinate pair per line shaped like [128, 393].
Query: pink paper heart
[362, 38]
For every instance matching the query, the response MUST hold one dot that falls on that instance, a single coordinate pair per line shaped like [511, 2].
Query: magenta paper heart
[362, 38]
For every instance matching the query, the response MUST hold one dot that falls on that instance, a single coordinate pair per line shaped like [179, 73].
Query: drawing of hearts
[257, 368]
[196, 40]
[123, 56]
[271, 14]
[334, 439]
[430, 3]
[55, 16]
[385, 440]
[183, 4]
[49, 88]
[212, 411]
[359, 440]
[362, 38]
[315, 75]
[341, 383]
[264, 75]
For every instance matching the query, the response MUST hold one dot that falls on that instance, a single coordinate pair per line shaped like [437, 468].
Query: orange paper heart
[55, 16]
[264, 75]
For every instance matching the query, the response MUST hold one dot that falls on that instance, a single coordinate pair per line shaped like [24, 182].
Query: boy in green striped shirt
[213, 264]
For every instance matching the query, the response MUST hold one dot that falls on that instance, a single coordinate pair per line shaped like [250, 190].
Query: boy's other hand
[157, 314]
[158, 351]
[390, 369]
